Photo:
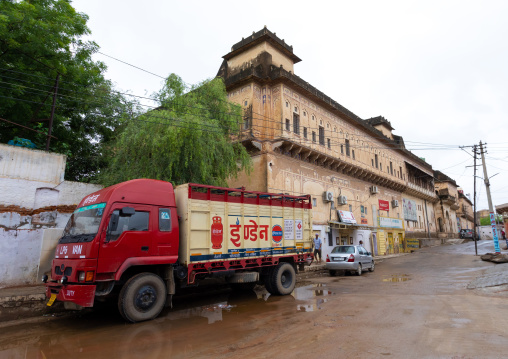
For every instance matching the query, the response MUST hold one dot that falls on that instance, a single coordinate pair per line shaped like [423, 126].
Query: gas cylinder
[217, 236]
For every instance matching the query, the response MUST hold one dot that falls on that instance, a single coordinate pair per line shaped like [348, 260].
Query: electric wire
[271, 120]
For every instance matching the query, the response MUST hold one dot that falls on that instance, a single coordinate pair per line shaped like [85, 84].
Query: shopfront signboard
[387, 222]
[409, 208]
[384, 205]
[346, 217]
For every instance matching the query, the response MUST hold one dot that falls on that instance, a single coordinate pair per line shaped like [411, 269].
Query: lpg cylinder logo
[277, 233]
[217, 233]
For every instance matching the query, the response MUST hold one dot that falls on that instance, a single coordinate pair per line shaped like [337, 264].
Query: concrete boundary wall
[35, 205]
[19, 254]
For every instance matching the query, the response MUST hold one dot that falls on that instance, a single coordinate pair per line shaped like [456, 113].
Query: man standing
[317, 248]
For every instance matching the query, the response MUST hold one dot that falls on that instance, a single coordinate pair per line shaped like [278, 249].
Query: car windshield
[344, 249]
[83, 224]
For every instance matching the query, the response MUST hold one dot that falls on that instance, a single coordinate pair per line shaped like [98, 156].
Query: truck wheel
[142, 297]
[282, 279]
[268, 283]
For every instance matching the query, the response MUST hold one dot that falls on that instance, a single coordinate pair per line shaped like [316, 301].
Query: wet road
[414, 306]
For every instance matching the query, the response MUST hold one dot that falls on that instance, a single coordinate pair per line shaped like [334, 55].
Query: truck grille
[67, 271]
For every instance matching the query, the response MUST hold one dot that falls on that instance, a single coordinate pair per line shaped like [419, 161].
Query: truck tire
[282, 279]
[142, 297]
[268, 283]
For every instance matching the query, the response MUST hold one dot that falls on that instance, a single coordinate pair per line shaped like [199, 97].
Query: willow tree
[192, 137]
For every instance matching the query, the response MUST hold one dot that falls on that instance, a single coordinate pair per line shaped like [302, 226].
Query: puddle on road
[173, 333]
[397, 278]
[312, 293]
[212, 312]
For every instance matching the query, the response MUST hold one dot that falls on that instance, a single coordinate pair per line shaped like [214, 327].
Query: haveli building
[366, 186]
[465, 213]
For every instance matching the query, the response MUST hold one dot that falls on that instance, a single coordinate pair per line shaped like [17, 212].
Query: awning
[342, 225]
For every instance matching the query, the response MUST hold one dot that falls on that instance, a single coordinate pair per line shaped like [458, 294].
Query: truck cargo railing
[240, 195]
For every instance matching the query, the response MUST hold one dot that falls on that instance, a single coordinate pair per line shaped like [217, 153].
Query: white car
[355, 259]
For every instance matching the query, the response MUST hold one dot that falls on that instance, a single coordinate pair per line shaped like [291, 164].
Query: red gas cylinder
[217, 236]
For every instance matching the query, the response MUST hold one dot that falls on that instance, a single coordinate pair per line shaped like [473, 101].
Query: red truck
[139, 241]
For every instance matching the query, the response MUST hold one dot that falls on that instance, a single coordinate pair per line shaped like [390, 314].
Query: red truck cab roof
[142, 190]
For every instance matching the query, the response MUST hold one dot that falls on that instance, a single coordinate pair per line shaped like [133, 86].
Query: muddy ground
[414, 306]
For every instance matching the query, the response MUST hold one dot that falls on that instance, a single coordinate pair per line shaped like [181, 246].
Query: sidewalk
[22, 302]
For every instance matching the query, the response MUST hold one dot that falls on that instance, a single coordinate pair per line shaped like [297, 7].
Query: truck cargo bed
[228, 224]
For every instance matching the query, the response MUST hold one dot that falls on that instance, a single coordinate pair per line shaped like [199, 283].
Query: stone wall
[33, 198]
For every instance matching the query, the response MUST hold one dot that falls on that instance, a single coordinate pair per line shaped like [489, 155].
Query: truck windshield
[83, 224]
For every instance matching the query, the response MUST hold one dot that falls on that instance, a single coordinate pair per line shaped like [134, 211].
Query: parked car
[466, 233]
[355, 259]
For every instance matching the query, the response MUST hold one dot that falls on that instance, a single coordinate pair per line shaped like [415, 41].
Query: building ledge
[343, 165]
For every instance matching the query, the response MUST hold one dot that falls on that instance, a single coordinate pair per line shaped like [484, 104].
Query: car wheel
[333, 273]
[359, 270]
[371, 269]
[142, 297]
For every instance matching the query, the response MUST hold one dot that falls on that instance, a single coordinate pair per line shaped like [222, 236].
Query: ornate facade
[303, 142]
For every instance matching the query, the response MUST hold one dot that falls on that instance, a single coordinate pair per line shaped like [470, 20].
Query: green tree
[485, 221]
[40, 39]
[191, 137]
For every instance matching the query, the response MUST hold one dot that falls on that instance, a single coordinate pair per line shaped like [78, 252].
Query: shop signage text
[384, 205]
[387, 222]
[346, 217]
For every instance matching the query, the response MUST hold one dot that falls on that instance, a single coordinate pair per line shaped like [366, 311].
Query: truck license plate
[51, 300]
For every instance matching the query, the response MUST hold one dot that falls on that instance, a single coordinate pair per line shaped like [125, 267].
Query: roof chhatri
[257, 38]
[380, 120]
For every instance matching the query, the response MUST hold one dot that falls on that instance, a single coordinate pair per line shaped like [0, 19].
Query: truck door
[127, 236]
[165, 237]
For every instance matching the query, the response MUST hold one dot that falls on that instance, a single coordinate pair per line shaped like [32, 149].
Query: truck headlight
[44, 278]
[85, 276]
[63, 280]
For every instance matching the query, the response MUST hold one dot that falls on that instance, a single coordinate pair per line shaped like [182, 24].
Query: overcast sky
[437, 70]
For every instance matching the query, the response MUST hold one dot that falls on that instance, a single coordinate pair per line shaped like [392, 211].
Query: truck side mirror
[127, 212]
[113, 224]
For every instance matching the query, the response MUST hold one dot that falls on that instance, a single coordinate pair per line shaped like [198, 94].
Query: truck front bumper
[79, 294]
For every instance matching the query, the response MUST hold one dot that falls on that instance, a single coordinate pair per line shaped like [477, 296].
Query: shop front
[390, 236]
[347, 231]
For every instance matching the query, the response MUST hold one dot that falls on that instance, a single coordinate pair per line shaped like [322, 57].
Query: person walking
[317, 248]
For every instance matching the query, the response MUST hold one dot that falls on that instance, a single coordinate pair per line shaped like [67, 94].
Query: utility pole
[491, 207]
[475, 238]
[52, 112]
